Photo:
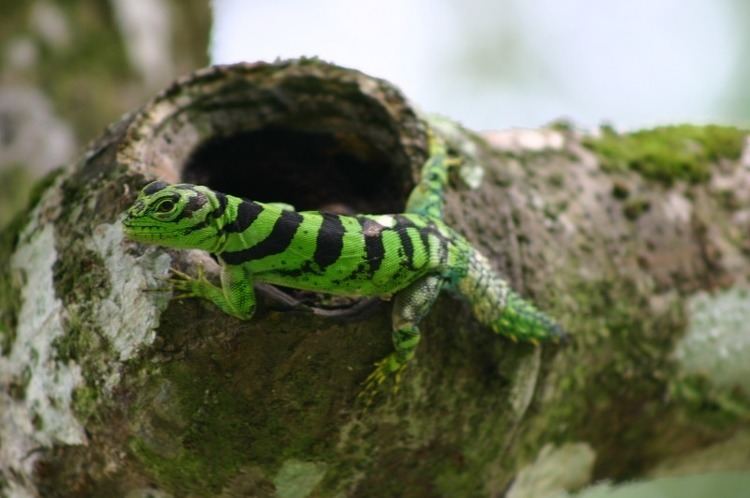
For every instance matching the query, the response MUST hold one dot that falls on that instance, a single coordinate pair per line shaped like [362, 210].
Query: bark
[638, 244]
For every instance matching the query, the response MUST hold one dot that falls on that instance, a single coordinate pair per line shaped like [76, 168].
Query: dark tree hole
[333, 171]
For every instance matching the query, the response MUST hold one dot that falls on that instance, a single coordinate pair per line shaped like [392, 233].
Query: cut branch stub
[303, 132]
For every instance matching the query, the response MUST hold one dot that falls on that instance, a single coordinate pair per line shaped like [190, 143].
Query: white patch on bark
[15, 490]
[456, 137]
[526, 139]
[36, 386]
[717, 342]
[472, 174]
[129, 315]
[677, 208]
[555, 471]
[41, 415]
[297, 479]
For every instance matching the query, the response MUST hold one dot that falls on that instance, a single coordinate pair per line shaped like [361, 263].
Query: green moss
[562, 125]
[669, 153]
[17, 387]
[634, 208]
[215, 397]
[199, 419]
[83, 344]
[213, 428]
[620, 191]
[85, 401]
[728, 200]
[81, 275]
[211, 413]
[556, 180]
[712, 406]
[617, 347]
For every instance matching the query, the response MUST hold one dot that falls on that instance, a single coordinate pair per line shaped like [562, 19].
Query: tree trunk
[637, 243]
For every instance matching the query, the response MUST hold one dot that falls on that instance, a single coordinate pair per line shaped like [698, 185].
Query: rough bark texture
[111, 391]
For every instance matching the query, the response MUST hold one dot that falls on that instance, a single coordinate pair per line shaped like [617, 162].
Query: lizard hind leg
[495, 304]
[409, 307]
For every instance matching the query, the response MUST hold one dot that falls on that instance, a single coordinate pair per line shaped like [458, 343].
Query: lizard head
[181, 216]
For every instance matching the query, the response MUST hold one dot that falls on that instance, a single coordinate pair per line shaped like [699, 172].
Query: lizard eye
[165, 206]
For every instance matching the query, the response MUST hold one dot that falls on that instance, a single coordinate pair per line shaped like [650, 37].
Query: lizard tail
[496, 305]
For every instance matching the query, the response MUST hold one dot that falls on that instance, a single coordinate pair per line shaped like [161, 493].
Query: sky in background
[497, 64]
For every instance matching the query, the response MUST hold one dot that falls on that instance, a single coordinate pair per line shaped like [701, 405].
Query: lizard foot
[387, 373]
[186, 286]
[452, 162]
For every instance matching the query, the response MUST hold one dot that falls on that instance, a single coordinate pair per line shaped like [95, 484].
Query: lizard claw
[156, 289]
[187, 285]
[180, 282]
[180, 275]
[387, 371]
[452, 162]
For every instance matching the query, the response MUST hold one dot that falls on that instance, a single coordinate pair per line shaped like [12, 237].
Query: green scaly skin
[411, 256]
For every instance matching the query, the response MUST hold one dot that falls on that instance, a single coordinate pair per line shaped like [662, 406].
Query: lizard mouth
[146, 233]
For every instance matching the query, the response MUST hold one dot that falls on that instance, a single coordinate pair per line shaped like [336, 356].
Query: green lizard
[411, 256]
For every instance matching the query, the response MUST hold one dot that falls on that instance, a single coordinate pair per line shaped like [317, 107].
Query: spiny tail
[496, 305]
[520, 319]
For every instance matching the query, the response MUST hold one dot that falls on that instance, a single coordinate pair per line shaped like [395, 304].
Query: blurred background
[497, 64]
[68, 68]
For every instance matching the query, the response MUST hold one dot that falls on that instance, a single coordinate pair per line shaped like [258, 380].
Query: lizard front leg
[236, 295]
[409, 307]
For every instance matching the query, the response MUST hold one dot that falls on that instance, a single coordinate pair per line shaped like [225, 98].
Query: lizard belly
[344, 284]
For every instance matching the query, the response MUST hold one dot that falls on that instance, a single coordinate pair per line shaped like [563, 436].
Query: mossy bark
[113, 390]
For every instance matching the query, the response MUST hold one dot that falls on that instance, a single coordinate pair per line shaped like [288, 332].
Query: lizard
[410, 256]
